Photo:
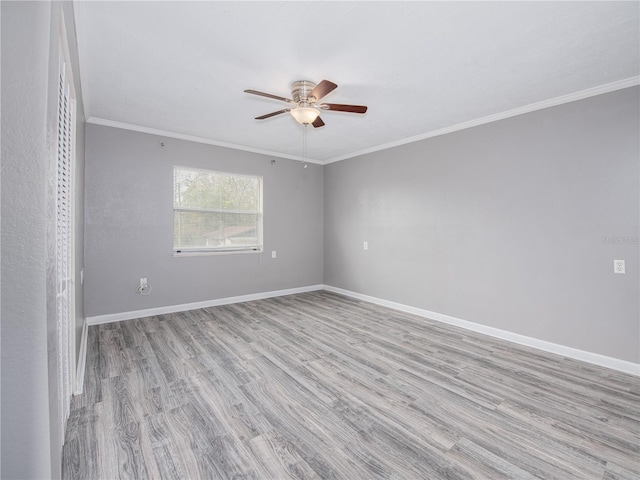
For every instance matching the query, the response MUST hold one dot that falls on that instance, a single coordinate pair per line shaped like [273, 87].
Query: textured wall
[31, 431]
[513, 224]
[26, 445]
[129, 224]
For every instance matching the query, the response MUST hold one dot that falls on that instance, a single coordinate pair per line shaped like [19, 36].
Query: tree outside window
[215, 211]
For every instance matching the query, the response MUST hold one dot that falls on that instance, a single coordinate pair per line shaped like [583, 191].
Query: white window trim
[203, 251]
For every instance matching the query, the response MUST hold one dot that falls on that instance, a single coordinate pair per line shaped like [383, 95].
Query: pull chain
[304, 145]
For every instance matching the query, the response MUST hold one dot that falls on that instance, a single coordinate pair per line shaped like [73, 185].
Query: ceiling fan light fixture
[303, 104]
[305, 115]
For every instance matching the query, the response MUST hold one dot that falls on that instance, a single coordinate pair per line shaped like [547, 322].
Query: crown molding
[552, 102]
[192, 138]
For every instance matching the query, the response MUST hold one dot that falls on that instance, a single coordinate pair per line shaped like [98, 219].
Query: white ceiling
[423, 68]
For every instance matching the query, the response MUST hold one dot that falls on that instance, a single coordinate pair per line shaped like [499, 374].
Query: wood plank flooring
[320, 386]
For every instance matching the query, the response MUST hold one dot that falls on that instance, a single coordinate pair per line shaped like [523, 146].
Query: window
[216, 212]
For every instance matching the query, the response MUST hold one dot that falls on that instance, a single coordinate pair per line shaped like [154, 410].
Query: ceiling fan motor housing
[300, 91]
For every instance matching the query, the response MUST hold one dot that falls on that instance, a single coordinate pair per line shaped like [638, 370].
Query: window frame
[226, 250]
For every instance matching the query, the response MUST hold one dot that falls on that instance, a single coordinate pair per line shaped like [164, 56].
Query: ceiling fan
[306, 109]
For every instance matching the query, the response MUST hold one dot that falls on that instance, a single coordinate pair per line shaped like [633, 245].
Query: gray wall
[31, 437]
[25, 392]
[129, 224]
[512, 225]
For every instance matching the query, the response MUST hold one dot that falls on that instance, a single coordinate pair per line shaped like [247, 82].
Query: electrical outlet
[143, 281]
[273, 254]
[366, 245]
[618, 266]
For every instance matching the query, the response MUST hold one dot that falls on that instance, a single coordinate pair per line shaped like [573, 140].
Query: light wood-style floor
[317, 385]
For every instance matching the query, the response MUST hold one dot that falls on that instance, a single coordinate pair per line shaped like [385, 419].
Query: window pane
[215, 230]
[216, 191]
[214, 210]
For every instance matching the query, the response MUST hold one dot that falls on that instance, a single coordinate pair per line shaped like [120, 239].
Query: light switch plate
[273, 254]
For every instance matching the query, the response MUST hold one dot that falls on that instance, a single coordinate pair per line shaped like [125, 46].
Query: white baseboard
[117, 317]
[570, 352]
[82, 359]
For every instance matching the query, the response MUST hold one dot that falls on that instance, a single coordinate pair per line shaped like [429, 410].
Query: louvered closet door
[64, 245]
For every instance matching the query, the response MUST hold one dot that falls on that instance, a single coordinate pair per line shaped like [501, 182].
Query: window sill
[206, 253]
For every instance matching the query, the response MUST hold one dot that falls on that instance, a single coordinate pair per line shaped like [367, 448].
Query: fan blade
[262, 94]
[318, 123]
[322, 89]
[273, 114]
[339, 107]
